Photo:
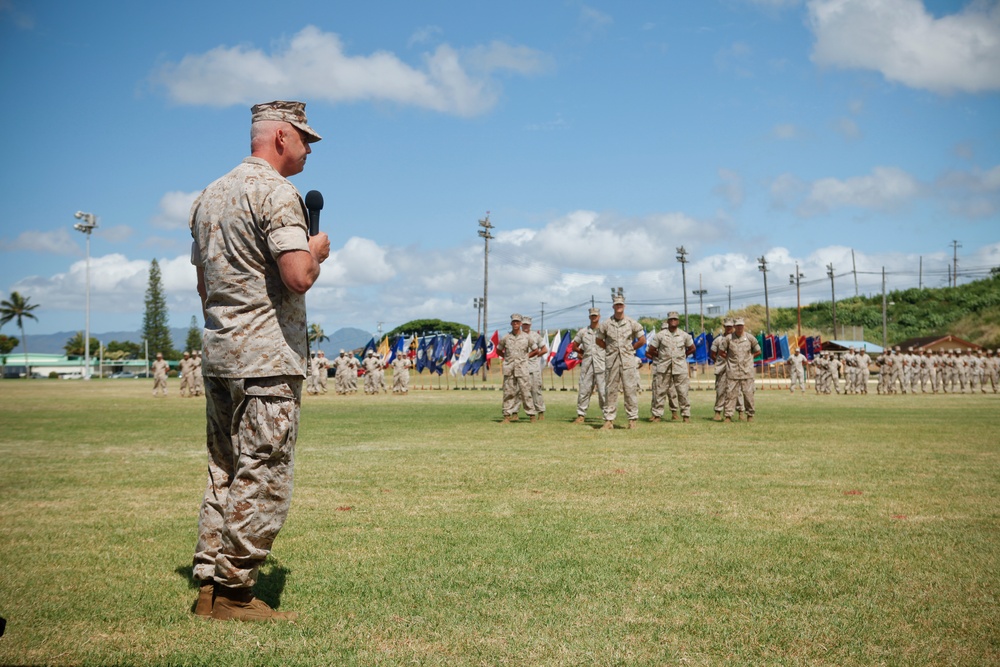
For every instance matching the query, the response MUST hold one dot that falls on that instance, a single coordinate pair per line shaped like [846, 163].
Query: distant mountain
[54, 343]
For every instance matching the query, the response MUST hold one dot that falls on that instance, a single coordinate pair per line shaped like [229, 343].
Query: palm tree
[316, 334]
[17, 308]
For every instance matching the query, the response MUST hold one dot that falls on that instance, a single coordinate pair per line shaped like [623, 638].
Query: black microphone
[314, 202]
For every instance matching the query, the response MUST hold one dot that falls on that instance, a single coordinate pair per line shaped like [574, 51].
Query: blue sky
[600, 136]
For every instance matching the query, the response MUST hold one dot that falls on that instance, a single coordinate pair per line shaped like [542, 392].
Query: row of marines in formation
[609, 366]
[345, 368]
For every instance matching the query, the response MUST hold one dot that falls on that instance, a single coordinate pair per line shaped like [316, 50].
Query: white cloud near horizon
[174, 210]
[314, 64]
[57, 242]
[957, 53]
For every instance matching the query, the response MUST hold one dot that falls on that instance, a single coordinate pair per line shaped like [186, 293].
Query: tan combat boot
[632, 423]
[673, 416]
[534, 418]
[717, 417]
[506, 419]
[749, 418]
[687, 419]
[240, 604]
[729, 420]
[608, 425]
[206, 596]
[579, 420]
[541, 416]
[654, 419]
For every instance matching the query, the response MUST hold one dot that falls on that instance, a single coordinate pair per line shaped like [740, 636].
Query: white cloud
[175, 209]
[424, 35]
[786, 132]
[885, 189]
[360, 262]
[56, 242]
[900, 39]
[314, 65]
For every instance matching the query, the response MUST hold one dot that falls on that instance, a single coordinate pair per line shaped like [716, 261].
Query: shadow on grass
[270, 582]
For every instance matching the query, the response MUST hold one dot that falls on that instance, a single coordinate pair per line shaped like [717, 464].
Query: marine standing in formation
[255, 261]
[620, 336]
[186, 368]
[591, 366]
[739, 349]
[160, 370]
[514, 348]
[669, 349]
[401, 374]
[797, 362]
[535, 363]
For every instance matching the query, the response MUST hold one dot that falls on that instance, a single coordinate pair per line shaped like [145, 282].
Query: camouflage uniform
[160, 370]
[515, 348]
[741, 376]
[255, 361]
[591, 368]
[797, 362]
[199, 381]
[535, 367]
[186, 368]
[669, 349]
[621, 375]
[401, 374]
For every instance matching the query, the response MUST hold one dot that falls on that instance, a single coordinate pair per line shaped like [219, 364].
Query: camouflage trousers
[590, 379]
[252, 427]
[400, 382]
[624, 379]
[671, 388]
[517, 392]
[737, 389]
[798, 380]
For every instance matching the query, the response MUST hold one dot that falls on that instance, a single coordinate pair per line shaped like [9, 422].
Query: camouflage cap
[728, 322]
[526, 320]
[594, 311]
[515, 317]
[673, 315]
[288, 112]
[342, 352]
[739, 322]
[618, 298]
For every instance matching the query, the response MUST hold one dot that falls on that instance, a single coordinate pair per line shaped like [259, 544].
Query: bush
[172, 374]
[53, 375]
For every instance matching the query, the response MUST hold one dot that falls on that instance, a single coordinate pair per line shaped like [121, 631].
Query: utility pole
[762, 266]
[477, 303]
[920, 278]
[701, 302]
[682, 258]
[796, 279]
[954, 272]
[885, 318]
[855, 265]
[485, 233]
[833, 297]
[542, 326]
[730, 288]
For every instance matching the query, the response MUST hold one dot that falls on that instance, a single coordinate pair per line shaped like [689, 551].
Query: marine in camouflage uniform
[514, 348]
[591, 366]
[160, 370]
[620, 336]
[669, 348]
[401, 374]
[185, 367]
[535, 367]
[797, 361]
[739, 349]
[254, 262]
[196, 375]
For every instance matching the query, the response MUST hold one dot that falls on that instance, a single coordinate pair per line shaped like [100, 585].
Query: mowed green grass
[834, 530]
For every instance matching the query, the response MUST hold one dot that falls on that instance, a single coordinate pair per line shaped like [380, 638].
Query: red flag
[491, 351]
[572, 358]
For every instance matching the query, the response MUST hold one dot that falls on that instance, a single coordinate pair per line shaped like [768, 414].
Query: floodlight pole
[485, 233]
[762, 261]
[796, 279]
[88, 221]
[682, 258]
[701, 302]
[833, 297]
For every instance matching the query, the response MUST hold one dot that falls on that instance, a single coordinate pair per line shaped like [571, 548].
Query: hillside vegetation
[970, 311]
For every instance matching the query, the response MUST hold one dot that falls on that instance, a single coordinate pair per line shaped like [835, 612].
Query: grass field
[835, 530]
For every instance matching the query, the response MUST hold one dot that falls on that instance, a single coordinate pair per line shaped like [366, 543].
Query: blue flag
[559, 360]
[422, 355]
[477, 357]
